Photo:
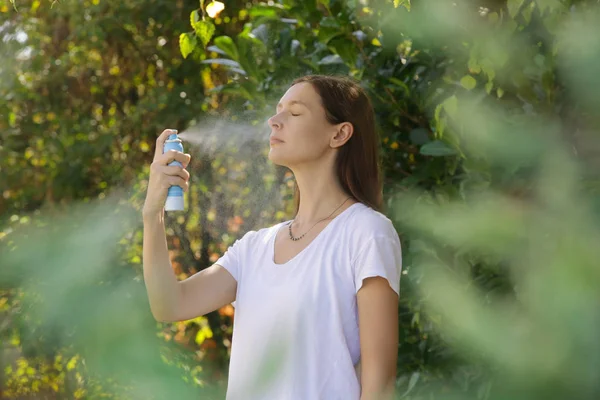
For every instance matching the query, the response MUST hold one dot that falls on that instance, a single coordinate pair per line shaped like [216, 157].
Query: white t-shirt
[296, 324]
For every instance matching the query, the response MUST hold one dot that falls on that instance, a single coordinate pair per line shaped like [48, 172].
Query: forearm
[378, 394]
[162, 285]
[378, 389]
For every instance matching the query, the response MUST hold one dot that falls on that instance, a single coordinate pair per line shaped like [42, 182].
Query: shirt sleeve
[230, 260]
[379, 256]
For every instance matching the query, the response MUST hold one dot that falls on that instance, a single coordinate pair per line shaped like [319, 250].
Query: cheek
[310, 144]
[311, 133]
[308, 139]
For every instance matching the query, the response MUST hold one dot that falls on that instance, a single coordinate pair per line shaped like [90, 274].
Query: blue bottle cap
[173, 136]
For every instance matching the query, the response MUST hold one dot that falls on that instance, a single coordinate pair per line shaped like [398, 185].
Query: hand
[163, 176]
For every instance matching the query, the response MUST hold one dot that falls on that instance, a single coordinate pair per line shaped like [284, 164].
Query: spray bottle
[174, 200]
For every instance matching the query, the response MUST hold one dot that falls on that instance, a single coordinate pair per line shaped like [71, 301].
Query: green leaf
[12, 119]
[551, 4]
[441, 126]
[345, 48]
[400, 83]
[251, 50]
[487, 66]
[527, 12]
[405, 3]
[468, 82]
[440, 121]
[216, 50]
[187, 43]
[329, 28]
[221, 61]
[450, 105]
[331, 59]
[264, 11]
[437, 148]
[411, 383]
[204, 30]
[203, 333]
[438, 112]
[473, 65]
[232, 65]
[514, 6]
[194, 18]
[226, 44]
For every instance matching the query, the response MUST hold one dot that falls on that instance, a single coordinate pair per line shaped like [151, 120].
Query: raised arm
[171, 300]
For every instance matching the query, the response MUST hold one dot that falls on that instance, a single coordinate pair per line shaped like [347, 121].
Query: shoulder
[257, 236]
[372, 235]
[368, 228]
[366, 223]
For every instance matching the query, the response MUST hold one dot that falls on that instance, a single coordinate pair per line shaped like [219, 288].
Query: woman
[316, 297]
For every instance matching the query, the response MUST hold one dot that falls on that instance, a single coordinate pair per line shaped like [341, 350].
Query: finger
[189, 158]
[177, 181]
[174, 170]
[174, 155]
[160, 141]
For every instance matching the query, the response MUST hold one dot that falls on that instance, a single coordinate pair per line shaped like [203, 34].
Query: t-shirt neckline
[317, 238]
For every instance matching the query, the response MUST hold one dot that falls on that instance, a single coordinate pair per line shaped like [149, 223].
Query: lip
[274, 141]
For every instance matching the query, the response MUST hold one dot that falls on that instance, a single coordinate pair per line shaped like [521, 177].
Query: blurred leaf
[450, 105]
[331, 59]
[194, 18]
[226, 44]
[264, 11]
[437, 148]
[222, 61]
[204, 30]
[401, 84]
[251, 51]
[414, 378]
[514, 6]
[345, 48]
[329, 28]
[187, 43]
[468, 82]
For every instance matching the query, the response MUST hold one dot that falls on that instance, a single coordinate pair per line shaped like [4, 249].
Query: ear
[343, 133]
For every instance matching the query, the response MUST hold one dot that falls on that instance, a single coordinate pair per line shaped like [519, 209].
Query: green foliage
[187, 42]
[475, 102]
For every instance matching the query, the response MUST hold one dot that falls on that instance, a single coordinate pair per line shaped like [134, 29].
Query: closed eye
[295, 115]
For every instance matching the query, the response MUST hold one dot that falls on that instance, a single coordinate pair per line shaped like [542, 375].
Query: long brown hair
[357, 165]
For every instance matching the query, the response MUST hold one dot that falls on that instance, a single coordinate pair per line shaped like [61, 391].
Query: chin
[277, 157]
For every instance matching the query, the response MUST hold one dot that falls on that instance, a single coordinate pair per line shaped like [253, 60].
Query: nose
[274, 122]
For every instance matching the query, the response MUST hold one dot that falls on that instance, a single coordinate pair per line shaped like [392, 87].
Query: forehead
[301, 92]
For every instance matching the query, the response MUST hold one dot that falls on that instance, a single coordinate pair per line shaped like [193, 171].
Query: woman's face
[301, 124]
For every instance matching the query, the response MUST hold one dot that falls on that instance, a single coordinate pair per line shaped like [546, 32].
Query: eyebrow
[292, 103]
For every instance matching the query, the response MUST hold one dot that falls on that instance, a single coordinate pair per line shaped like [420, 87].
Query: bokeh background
[488, 114]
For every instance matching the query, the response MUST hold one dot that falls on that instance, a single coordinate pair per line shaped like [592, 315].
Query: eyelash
[295, 115]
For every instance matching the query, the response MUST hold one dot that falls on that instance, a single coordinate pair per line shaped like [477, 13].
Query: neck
[320, 195]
